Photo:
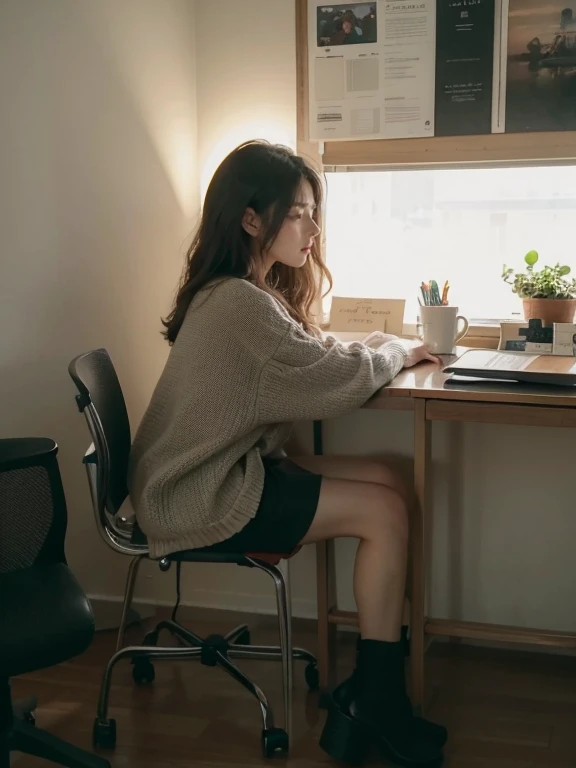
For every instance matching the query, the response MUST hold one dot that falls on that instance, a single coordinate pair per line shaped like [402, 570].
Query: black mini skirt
[285, 513]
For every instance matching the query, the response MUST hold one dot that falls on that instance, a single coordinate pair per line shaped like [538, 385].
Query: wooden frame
[497, 148]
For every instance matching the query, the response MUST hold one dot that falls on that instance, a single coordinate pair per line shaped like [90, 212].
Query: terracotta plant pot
[550, 311]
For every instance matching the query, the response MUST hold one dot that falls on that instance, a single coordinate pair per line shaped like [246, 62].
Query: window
[387, 231]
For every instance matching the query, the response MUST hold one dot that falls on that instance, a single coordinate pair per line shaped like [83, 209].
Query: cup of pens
[440, 326]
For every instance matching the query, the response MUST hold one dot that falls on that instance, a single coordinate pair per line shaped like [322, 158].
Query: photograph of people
[347, 24]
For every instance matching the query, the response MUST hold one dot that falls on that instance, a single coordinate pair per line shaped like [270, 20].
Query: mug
[439, 328]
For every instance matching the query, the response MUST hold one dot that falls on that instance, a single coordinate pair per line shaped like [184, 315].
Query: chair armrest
[22, 452]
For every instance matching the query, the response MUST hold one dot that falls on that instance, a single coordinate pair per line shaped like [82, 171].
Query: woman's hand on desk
[417, 353]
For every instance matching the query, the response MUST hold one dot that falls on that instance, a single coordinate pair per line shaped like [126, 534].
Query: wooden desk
[425, 391]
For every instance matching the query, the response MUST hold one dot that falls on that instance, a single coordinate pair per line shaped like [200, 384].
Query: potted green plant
[547, 294]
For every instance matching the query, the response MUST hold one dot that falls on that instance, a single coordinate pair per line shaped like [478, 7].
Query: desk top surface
[427, 381]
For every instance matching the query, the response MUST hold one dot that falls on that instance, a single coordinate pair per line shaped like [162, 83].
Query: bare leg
[365, 499]
[377, 515]
[385, 526]
[360, 468]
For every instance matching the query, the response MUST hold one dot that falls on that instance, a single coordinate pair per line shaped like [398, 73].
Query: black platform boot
[379, 714]
[425, 730]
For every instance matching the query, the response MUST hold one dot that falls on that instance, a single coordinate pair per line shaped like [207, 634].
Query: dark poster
[464, 67]
[541, 70]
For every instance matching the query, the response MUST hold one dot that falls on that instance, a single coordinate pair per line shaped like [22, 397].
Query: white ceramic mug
[440, 328]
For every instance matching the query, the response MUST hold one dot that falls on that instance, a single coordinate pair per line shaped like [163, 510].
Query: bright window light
[387, 231]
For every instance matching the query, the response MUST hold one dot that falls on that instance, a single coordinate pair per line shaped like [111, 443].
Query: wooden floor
[503, 709]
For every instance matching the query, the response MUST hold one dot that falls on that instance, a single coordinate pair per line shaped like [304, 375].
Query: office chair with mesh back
[101, 401]
[45, 617]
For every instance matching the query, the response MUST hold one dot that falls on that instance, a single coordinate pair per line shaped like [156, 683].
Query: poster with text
[464, 67]
[541, 66]
[371, 69]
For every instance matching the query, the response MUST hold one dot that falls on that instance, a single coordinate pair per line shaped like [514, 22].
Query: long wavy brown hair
[265, 177]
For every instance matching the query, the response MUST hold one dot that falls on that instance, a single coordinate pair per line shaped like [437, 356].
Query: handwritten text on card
[386, 315]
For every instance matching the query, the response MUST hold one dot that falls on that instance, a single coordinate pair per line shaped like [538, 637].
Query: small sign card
[366, 315]
[564, 339]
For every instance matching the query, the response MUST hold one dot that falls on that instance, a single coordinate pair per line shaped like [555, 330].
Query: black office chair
[45, 617]
[101, 400]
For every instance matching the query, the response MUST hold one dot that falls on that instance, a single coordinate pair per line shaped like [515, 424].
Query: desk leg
[326, 581]
[418, 532]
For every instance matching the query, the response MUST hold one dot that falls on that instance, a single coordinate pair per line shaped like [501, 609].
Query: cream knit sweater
[240, 371]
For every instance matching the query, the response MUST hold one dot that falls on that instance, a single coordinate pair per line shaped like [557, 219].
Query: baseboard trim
[243, 602]
[107, 610]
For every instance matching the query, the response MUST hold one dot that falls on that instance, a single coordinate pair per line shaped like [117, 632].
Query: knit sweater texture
[239, 373]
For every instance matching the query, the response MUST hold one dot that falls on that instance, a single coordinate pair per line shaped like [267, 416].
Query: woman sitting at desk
[207, 466]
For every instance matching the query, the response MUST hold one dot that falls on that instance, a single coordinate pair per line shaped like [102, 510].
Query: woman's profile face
[293, 242]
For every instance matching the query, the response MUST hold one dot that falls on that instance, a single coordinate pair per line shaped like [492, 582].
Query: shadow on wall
[94, 222]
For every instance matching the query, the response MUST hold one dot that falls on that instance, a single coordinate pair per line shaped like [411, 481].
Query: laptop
[515, 366]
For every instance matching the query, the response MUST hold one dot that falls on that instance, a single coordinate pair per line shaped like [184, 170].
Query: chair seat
[205, 555]
[238, 558]
[45, 619]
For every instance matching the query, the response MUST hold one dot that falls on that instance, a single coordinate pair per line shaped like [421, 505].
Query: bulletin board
[437, 82]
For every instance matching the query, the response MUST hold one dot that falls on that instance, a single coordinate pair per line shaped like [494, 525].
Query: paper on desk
[502, 362]
[489, 360]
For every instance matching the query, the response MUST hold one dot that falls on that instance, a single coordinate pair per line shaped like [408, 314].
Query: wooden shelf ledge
[345, 618]
[499, 633]
[476, 631]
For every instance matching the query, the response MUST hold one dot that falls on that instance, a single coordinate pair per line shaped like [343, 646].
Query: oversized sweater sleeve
[311, 379]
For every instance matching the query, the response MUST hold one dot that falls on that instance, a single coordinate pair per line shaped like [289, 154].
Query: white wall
[98, 193]
[246, 76]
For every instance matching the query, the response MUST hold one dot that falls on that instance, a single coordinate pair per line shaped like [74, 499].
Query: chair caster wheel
[143, 672]
[312, 676]
[29, 717]
[244, 638]
[274, 742]
[104, 734]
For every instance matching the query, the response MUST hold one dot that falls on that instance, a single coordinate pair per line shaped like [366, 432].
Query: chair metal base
[19, 734]
[23, 709]
[31, 740]
[215, 650]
